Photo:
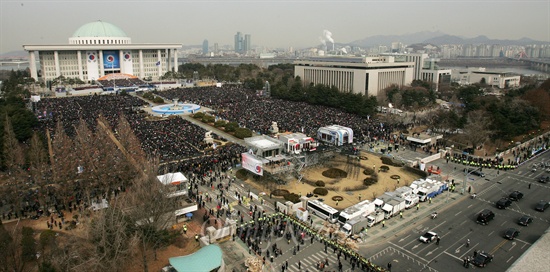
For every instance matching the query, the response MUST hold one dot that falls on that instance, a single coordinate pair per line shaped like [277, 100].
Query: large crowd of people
[235, 103]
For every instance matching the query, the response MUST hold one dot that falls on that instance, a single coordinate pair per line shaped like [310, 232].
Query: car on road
[511, 233]
[515, 195]
[482, 259]
[485, 216]
[428, 237]
[525, 220]
[544, 179]
[504, 203]
[542, 206]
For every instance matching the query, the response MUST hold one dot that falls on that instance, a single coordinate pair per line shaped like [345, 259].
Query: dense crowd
[235, 103]
[121, 82]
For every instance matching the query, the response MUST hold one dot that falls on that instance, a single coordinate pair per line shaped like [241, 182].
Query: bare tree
[38, 160]
[129, 141]
[476, 130]
[14, 159]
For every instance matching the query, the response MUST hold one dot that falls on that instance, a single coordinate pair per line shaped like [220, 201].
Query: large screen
[111, 59]
[252, 164]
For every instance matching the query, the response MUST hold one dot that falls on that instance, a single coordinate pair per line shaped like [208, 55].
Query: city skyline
[275, 24]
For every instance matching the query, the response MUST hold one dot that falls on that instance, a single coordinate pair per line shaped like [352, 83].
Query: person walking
[383, 223]
[437, 240]
[401, 215]
[417, 206]
[389, 266]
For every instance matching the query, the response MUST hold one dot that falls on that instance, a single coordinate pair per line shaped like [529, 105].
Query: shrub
[294, 198]
[320, 183]
[242, 133]
[231, 126]
[158, 100]
[368, 171]
[280, 192]
[370, 181]
[198, 115]
[416, 171]
[208, 119]
[320, 191]
[220, 123]
[384, 168]
[391, 162]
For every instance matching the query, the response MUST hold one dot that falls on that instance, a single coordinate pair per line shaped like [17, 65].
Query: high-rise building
[247, 43]
[205, 47]
[242, 44]
[238, 42]
[216, 48]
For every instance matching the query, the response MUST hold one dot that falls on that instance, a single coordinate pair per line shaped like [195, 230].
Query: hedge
[416, 171]
[292, 197]
[391, 162]
[320, 183]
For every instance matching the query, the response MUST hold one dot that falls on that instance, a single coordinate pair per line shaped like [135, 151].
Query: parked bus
[322, 210]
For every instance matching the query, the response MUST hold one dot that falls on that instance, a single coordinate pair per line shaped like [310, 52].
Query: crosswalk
[310, 262]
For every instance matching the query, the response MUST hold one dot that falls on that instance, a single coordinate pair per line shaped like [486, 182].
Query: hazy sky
[281, 23]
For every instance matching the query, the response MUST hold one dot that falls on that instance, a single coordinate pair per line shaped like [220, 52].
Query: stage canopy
[172, 178]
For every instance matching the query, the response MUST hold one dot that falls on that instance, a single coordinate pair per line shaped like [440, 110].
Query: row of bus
[368, 213]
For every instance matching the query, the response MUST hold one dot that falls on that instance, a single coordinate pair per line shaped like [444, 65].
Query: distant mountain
[450, 39]
[20, 54]
[437, 38]
[418, 37]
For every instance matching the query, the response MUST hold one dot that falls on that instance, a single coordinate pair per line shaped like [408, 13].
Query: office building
[205, 47]
[367, 76]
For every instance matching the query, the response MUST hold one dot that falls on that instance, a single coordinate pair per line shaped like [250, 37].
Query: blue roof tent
[196, 262]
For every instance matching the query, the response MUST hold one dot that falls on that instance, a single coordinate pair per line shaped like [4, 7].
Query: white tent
[172, 178]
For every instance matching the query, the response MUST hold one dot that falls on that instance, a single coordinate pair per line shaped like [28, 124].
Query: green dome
[99, 29]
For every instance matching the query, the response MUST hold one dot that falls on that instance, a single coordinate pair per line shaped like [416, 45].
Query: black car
[525, 220]
[544, 179]
[482, 259]
[485, 216]
[503, 203]
[475, 172]
[515, 195]
[542, 205]
[511, 233]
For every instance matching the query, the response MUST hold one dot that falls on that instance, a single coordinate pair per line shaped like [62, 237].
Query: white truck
[410, 196]
[381, 200]
[355, 211]
[374, 218]
[355, 225]
[426, 190]
[393, 207]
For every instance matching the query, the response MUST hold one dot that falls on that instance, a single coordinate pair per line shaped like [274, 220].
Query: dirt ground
[344, 187]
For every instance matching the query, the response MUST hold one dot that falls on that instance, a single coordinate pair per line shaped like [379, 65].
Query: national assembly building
[97, 49]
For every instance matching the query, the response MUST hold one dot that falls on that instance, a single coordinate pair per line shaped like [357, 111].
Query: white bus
[322, 210]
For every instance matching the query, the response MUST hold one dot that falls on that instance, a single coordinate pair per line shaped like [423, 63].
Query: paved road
[457, 223]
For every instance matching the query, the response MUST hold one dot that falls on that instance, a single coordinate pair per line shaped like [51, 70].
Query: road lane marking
[492, 252]
[511, 257]
[452, 255]
[397, 246]
[401, 240]
[527, 243]
[513, 245]
[458, 213]
[503, 223]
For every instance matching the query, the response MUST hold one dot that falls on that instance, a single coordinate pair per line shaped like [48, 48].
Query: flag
[158, 63]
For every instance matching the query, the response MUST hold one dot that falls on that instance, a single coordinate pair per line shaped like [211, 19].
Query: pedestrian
[299, 265]
[475, 253]
[430, 200]
[336, 202]
[468, 243]
[383, 223]
[417, 206]
[437, 240]
[389, 266]
[401, 215]
[529, 185]
[465, 262]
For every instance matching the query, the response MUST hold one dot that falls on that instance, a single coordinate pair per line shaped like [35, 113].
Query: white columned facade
[141, 72]
[101, 68]
[79, 61]
[175, 60]
[32, 65]
[168, 53]
[121, 61]
[56, 62]
[159, 59]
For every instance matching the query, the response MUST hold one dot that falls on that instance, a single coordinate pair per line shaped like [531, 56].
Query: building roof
[99, 29]
[172, 178]
[204, 260]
